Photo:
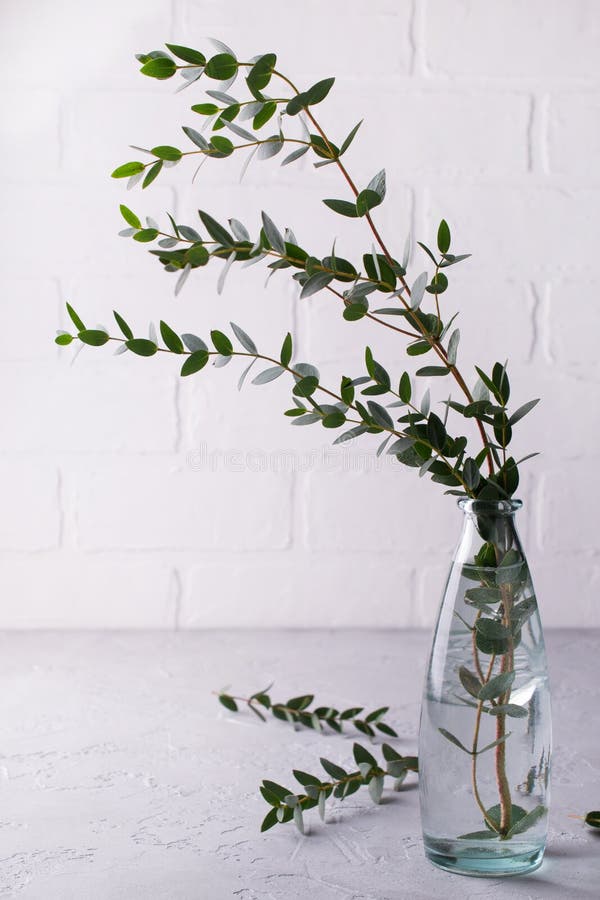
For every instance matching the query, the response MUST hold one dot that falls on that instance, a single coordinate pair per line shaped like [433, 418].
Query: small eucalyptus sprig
[296, 711]
[287, 806]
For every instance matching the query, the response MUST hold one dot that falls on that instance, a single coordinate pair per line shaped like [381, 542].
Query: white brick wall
[133, 499]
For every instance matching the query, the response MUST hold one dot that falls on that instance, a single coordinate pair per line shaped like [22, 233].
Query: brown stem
[433, 341]
[507, 665]
[476, 793]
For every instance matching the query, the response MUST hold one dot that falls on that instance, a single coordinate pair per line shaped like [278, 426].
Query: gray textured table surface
[121, 777]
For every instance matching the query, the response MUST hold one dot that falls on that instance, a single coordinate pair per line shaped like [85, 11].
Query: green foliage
[288, 805]
[405, 423]
[593, 819]
[128, 169]
[300, 711]
[428, 443]
[162, 67]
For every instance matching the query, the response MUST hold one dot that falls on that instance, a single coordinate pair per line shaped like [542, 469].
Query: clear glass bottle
[485, 736]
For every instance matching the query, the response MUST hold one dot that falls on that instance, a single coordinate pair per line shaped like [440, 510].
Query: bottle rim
[490, 507]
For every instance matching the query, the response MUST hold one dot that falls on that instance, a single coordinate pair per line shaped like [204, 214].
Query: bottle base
[483, 861]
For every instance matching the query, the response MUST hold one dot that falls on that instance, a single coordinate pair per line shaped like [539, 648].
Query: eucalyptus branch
[287, 805]
[432, 437]
[225, 67]
[382, 271]
[296, 711]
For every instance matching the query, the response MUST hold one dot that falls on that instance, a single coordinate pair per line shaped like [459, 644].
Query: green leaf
[469, 681]
[334, 420]
[405, 389]
[389, 753]
[146, 235]
[366, 201]
[222, 145]
[286, 350]
[489, 384]
[348, 140]
[197, 255]
[264, 115]
[306, 386]
[522, 411]
[172, 340]
[332, 769]
[492, 636]
[269, 820]
[228, 702]
[130, 217]
[496, 686]
[260, 74]
[75, 318]
[377, 184]
[123, 325]
[495, 813]
[453, 346]
[187, 54]
[527, 821]
[195, 361]
[161, 67]
[216, 231]
[436, 431]
[509, 709]
[221, 343]
[380, 415]
[362, 755]
[244, 339]
[453, 740]
[500, 379]
[193, 342]
[274, 236]
[418, 348]
[432, 371]
[268, 375]
[386, 729]
[495, 743]
[267, 795]
[439, 283]
[300, 702]
[417, 291]
[93, 337]
[443, 237]
[478, 836]
[481, 595]
[471, 474]
[205, 109]
[318, 92]
[315, 283]
[294, 155]
[164, 151]
[280, 792]
[593, 819]
[63, 340]
[128, 169]
[152, 173]
[304, 778]
[342, 207]
[141, 346]
[221, 67]
[377, 714]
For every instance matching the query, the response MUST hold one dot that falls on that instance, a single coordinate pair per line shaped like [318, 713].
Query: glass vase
[485, 735]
